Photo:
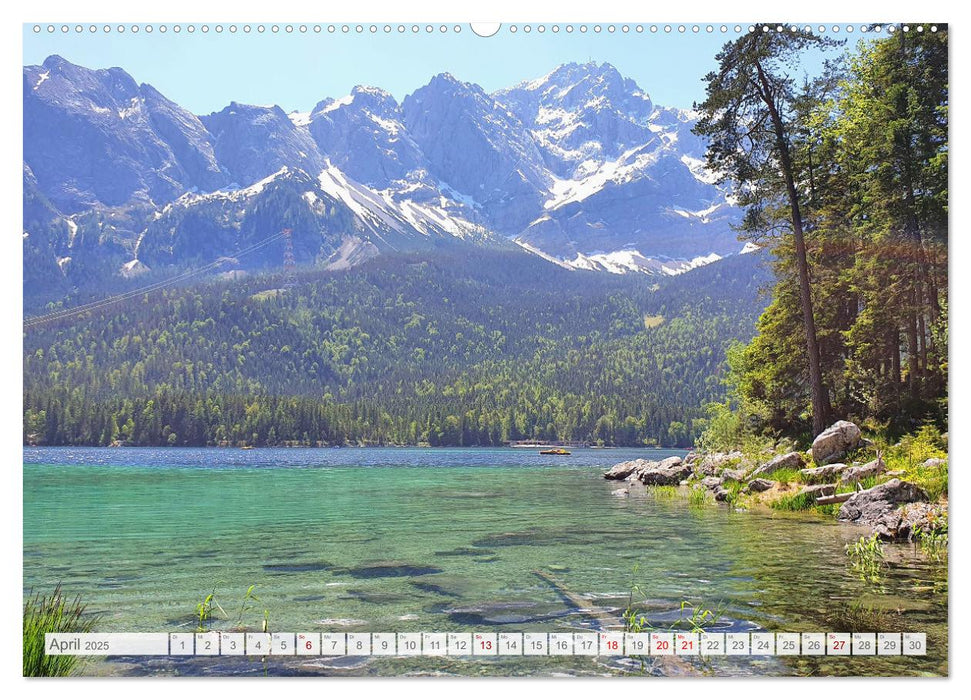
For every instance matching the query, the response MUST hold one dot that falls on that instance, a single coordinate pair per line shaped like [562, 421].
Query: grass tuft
[699, 496]
[49, 614]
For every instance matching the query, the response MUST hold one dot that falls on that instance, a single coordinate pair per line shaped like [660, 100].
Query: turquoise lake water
[408, 539]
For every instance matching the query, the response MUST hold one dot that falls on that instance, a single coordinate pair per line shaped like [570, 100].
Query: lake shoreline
[842, 475]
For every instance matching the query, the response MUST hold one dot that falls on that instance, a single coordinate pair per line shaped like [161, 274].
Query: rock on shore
[853, 475]
[625, 469]
[790, 460]
[667, 472]
[877, 506]
[834, 442]
[827, 472]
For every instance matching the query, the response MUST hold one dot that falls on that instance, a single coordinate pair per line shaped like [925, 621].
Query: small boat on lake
[556, 451]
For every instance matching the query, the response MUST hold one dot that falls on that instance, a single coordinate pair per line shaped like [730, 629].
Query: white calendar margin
[391, 10]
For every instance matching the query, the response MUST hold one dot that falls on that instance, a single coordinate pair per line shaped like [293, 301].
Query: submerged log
[660, 665]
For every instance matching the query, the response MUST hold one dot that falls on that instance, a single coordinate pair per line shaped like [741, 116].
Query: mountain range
[579, 166]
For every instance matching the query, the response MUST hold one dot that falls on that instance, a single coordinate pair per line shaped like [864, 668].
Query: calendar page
[460, 350]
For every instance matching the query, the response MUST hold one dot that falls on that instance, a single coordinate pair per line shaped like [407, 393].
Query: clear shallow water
[403, 539]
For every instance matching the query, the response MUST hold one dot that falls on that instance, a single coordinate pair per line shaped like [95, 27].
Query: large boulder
[667, 472]
[625, 469]
[869, 506]
[903, 523]
[712, 482]
[817, 475]
[834, 442]
[790, 460]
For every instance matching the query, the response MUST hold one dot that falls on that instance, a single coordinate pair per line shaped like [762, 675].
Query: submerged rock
[790, 460]
[869, 506]
[391, 570]
[836, 441]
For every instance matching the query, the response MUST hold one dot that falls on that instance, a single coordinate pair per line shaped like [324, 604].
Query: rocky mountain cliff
[579, 167]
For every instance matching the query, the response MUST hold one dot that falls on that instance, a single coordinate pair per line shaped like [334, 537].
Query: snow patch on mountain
[622, 262]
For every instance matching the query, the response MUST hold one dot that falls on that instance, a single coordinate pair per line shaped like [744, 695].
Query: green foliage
[785, 476]
[699, 496]
[723, 428]
[205, 610]
[912, 452]
[794, 502]
[734, 497]
[866, 555]
[867, 147]
[445, 349]
[50, 614]
[933, 541]
[665, 493]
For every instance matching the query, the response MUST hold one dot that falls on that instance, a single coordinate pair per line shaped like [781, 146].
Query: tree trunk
[820, 400]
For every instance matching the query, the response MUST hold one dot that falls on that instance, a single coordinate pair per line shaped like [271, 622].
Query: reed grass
[49, 614]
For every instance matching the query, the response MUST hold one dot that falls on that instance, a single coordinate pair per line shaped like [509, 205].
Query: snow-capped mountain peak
[579, 166]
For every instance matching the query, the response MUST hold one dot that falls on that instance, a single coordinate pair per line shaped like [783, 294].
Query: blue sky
[204, 72]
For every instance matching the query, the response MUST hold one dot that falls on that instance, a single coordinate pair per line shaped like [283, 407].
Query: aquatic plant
[692, 617]
[49, 614]
[932, 542]
[866, 555]
[204, 611]
[665, 493]
[861, 616]
[699, 497]
[207, 607]
[699, 618]
[247, 604]
[734, 496]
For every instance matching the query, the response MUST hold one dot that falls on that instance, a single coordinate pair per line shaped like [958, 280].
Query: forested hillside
[445, 348]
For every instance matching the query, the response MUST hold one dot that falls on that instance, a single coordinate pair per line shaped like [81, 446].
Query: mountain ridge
[579, 166]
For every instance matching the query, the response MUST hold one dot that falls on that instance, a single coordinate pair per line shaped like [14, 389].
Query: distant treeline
[459, 348]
